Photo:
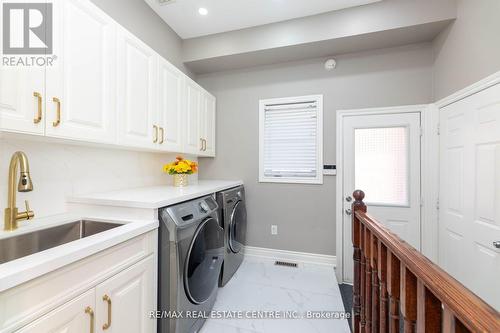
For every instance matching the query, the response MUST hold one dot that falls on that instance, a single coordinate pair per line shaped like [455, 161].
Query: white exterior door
[70, 317]
[469, 214]
[130, 296]
[193, 143]
[170, 106]
[22, 97]
[381, 156]
[137, 89]
[81, 86]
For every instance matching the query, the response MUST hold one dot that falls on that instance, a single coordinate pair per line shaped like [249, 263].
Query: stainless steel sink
[23, 245]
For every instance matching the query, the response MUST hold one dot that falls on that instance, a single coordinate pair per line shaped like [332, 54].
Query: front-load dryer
[191, 252]
[234, 221]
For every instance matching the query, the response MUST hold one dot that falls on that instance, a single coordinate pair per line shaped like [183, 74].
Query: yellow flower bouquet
[180, 168]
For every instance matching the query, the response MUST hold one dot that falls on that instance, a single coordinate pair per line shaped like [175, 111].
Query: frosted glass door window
[381, 164]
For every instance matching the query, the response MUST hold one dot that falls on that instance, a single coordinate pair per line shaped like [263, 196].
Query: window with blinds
[291, 140]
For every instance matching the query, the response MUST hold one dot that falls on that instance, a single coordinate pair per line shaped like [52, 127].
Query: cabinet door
[22, 93]
[170, 106]
[82, 82]
[125, 300]
[70, 317]
[193, 104]
[209, 132]
[137, 73]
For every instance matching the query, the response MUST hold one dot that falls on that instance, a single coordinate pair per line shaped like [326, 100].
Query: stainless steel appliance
[191, 252]
[234, 222]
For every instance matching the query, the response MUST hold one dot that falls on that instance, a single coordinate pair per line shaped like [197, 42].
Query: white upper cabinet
[207, 124]
[106, 86]
[170, 106]
[22, 93]
[194, 143]
[137, 92]
[81, 86]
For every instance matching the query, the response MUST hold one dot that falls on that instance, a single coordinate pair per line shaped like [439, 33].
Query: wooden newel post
[357, 205]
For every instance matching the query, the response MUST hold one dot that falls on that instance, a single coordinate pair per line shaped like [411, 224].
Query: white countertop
[155, 197]
[18, 271]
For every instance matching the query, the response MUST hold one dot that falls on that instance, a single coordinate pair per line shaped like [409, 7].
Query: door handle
[201, 141]
[204, 145]
[162, 135]
[348, 198]
[58, 112]
[348, 211]
[107, 299]
[38, 117]
[496, 244]
[155, 138]
[90, 312]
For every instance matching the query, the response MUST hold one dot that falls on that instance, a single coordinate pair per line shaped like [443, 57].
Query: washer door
[238, 227]
[204, 260]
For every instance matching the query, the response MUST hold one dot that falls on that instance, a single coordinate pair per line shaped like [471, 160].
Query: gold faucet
[12, 215]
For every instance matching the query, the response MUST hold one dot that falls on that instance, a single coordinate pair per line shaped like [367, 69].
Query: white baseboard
[298, 257]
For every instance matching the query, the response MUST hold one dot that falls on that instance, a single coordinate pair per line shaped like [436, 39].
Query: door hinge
[437, 204]
[421, 132]
[439, 129]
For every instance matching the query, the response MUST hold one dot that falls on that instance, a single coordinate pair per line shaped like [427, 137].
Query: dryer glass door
[238, 227]
[204, 261]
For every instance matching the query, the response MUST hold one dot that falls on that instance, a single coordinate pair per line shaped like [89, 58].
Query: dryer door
[204, 260]
[238, 227]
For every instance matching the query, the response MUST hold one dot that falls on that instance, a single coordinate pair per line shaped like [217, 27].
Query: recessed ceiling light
[203, 11]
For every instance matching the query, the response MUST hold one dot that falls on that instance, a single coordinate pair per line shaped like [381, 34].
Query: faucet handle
[29, 213]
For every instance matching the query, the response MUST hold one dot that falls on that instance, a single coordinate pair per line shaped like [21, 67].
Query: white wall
[60, 170]
[469, 49]
[305, 214]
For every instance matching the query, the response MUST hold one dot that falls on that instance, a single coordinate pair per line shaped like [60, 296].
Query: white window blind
[291, 140]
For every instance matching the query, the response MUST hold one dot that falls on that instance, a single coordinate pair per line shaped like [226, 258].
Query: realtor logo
[27, 28]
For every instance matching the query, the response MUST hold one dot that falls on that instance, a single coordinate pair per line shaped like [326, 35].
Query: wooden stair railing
[394, 282]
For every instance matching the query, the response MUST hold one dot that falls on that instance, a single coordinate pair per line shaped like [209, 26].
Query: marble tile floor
[259, 285]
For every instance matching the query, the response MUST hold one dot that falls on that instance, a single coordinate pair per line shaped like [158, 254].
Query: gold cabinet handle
[155, 138]
[162, 135]
[107, 299]
[58, 112]
[90, 312]
[38, 116]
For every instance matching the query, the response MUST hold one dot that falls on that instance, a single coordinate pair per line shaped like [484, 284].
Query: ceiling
[229, 15]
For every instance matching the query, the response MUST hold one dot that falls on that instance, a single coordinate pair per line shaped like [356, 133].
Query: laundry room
[235, 166]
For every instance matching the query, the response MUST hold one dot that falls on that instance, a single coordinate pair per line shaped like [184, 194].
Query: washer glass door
[238, 227]
[204, 261]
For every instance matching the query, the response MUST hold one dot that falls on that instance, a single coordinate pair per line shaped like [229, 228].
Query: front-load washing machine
[190, 256]
[234, 221]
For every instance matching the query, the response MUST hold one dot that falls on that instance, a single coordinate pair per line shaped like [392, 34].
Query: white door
[469, 214]
[125, 300]
[381, 156]
[22, 97]
[74, 317]
[137, 89]
[170, 106]
[81, 86]
[193, 144]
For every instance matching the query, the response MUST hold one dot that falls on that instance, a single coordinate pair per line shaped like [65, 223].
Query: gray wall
[469, 49]
[305, 214]
[142, 21]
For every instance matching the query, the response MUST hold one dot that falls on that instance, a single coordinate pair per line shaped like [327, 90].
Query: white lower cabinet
[120, 304]
[68, 318]
[125, 300]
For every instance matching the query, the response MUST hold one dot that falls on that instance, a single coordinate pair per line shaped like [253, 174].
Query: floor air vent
[286, 264]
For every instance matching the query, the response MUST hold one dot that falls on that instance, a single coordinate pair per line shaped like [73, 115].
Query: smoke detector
[330, 64]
